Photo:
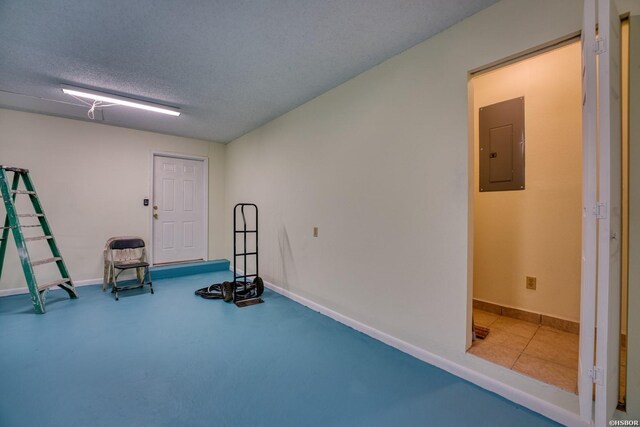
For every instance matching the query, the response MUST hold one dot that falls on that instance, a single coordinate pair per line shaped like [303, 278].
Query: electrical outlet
[531, 283]
[315, 231]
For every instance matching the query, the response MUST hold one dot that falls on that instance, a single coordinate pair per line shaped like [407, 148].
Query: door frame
[606, 375]
[586, 287]
[590, 177]
[205, 207]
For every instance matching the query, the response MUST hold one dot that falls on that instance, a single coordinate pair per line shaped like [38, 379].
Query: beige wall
[631, 7]
[380, 165]
[537, 231]
[91, 179]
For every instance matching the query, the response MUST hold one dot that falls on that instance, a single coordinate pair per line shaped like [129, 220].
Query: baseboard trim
[13, 291]
[157, 273]
[528, 316]
[25, 290]
[520, 397]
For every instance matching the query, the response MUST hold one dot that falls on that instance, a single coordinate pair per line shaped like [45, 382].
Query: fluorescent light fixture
[119, 100]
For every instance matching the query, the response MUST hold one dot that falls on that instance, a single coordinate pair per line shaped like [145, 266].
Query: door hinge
[600, 210]
[601, 45]
[595, 374]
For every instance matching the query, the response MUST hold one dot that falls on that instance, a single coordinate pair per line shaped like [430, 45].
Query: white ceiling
[230, 66]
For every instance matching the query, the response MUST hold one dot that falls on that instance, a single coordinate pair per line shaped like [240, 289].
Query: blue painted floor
[174, 359]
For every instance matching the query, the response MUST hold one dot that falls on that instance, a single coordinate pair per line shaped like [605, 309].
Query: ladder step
[56, 282]
[46, 261]
[12, 169]
[31, 239]
[11, 188]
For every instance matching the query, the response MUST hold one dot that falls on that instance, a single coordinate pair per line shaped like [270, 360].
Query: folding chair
[122, 265]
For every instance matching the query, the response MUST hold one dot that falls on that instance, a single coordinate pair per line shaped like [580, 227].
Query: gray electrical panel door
[502, 146]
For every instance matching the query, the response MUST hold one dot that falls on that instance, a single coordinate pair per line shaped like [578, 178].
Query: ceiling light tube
[119, 100]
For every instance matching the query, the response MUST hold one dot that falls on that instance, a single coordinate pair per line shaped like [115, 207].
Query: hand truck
[241, 290]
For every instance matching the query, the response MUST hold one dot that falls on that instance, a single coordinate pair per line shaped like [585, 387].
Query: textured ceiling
[230, 66]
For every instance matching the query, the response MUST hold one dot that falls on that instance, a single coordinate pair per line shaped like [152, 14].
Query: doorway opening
[179, 213]
[527, 213]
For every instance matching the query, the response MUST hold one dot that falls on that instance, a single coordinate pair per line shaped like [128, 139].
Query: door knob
[155, 215]
[155, 207]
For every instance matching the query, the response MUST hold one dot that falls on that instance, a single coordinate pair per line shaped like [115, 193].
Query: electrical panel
[501, 150]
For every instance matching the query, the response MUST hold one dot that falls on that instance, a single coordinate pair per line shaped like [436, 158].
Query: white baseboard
[25, 290]
[520, 397]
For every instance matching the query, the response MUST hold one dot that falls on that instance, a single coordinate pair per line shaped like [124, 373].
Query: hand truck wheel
[259, 283]
[227, 291]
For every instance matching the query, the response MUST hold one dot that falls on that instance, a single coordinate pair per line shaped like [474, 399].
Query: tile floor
[547, 354]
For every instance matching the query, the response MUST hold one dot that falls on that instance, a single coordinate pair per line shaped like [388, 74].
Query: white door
[589, 221]
[609, 223]
[178, 210]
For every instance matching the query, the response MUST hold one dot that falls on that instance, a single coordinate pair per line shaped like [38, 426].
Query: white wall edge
[25, 290]
[515, 395]
[88, 282]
